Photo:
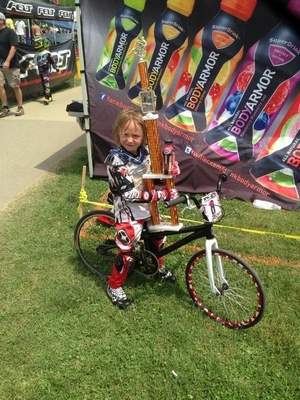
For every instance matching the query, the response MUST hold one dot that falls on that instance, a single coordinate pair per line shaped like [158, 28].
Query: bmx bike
[219, 282]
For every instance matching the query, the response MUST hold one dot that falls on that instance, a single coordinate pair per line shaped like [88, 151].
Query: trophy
[160, 169]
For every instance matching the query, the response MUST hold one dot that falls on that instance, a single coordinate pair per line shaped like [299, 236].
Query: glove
[175, 169]
[173, 194]
[157, 195]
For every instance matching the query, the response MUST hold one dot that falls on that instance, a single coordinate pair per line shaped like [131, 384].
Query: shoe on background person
[20, 111]
[48, 100]
[4, 112]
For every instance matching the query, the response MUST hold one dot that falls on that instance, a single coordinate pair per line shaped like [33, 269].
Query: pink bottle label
[280, 55]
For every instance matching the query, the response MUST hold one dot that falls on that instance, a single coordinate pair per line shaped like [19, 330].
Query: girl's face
[131, 137]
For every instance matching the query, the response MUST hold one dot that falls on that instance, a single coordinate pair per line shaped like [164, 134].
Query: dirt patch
[272, 261]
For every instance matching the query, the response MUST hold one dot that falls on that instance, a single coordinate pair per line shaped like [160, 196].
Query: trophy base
[164, 227]
[157, 176]
[150, 116]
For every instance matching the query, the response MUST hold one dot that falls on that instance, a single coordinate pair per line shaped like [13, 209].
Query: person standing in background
[10, 23]
[36, 29]
[9, 67]
[20, 30]
[45, 62]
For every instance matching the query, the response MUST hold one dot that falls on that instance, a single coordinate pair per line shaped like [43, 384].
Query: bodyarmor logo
[119, 53]
[294, 159]
[20, 7]
[65, 14]
[46, 11]
[155, 72]
[244, 115]
[196, 94]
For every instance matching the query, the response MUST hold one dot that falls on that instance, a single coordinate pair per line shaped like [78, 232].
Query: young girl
[126, 165]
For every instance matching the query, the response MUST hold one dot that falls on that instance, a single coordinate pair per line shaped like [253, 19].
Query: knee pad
[123, 241]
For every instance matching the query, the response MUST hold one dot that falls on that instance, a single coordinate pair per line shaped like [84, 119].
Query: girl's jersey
[125, 176]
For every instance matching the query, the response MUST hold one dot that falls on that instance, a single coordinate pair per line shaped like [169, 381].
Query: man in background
[9, 68]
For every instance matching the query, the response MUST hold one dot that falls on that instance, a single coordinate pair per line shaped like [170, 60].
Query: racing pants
[128, 234]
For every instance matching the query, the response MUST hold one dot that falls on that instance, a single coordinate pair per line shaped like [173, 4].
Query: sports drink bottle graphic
[168, 157]
[118, 55]
[166, 41]
[277, 166]
[216, 51]
[266, 78]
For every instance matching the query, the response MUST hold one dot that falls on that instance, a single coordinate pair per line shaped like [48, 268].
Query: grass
[62, 339]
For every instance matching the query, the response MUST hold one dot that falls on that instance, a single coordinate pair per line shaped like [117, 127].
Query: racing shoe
[118, 297]
[165, 275]
[47, 100]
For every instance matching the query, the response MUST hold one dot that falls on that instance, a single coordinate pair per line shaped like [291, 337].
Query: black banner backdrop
[64, 55]
[199, 165]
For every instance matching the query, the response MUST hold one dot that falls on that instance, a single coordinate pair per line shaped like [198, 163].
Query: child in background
[44, 62]
[126, 165]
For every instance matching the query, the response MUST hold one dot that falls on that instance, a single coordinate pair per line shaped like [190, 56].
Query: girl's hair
[122, 120]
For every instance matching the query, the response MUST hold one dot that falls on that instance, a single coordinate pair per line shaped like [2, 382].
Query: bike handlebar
[180, 199]
[184, 198]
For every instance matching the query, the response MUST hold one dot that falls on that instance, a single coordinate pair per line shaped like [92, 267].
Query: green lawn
[62, 339]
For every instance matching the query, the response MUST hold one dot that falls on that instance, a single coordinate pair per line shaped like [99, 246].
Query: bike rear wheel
[240, 304]
[94, 240]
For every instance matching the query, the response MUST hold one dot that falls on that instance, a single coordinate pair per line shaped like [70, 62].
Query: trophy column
[148, 107]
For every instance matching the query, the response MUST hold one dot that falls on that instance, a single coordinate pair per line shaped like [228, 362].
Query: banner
[33, 9]
[225, 74]
[63, 54]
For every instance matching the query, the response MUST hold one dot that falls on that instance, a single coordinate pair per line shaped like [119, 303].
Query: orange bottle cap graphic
[242, 9]
[184, 7]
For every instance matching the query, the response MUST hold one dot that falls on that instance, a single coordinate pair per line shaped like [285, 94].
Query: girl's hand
[173, 194]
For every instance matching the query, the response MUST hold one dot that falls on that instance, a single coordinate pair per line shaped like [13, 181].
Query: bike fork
[211, 244]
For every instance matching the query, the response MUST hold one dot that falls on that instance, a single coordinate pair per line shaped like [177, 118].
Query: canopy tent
[68, 25]
[36, 10]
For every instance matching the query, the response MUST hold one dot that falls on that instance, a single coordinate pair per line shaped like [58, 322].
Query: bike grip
[174, 202]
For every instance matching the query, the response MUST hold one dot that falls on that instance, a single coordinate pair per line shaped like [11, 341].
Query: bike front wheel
[240, 300]
[94, 240]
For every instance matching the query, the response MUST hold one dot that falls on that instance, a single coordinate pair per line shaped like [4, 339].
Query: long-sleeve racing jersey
[125, 172]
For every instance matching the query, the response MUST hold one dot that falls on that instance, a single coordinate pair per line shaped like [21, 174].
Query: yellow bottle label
[170, 32]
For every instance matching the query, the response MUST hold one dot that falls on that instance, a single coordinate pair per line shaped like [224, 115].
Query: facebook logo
[188, 150]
